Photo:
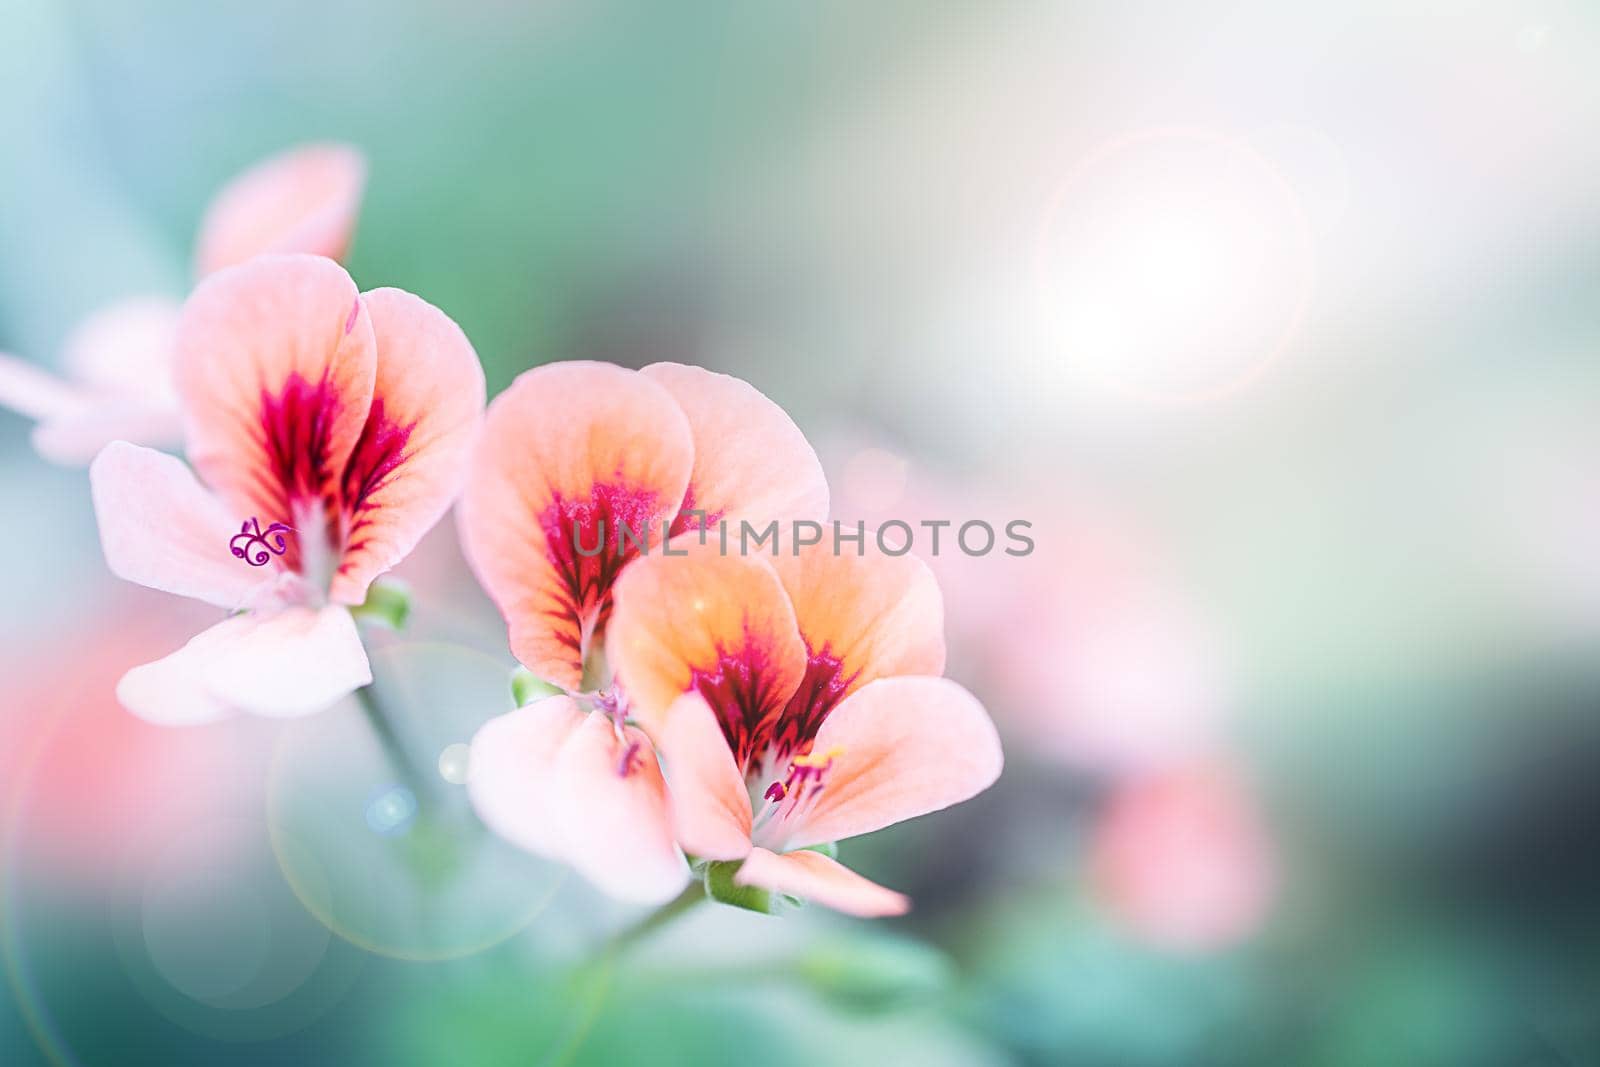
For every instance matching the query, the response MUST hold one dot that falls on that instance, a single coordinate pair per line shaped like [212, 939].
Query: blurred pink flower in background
[85, 783]
[119, 360]
[1183, 858]
[341, 423]
[1089, 646]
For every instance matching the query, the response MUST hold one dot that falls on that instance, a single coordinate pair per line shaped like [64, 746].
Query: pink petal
[30, 391]
[289, 663]
[710, 804]
[127, 348]
[171, 691]
[707, 623]
[904, 747]
[77, 437]
[510, 771]
[565, 447]
[409, 463]
[276, 365]
[304, 200]
[611, 807]
[159, 528]
[814, 877]
[750, 459]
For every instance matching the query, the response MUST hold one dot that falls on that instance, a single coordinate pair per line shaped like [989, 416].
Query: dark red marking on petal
[686, 522]
[379, 453]
[821, 688]
[350, 323]
[584, 600]
[296, 423]
[739, 690]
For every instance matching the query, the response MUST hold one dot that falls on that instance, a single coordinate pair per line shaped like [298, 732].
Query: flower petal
[612, 813]
[303, 200]
[408, 465]
[276, 364]
[171, 691]
[292, 662]
[750, 459]
[289, 663]
[708, 623]
[905, 747]
[34, 392]
[77, 437]
[862, 618]
[710, 804]
[159, 528]
[565, 447]
[814, 877]
[127, 348]
[510, 771]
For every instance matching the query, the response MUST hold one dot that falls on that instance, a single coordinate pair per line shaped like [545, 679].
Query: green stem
[628, 936]
[399, 757]
[593, 979]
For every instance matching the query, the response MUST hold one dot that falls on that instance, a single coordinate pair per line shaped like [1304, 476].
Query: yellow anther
[819, 759]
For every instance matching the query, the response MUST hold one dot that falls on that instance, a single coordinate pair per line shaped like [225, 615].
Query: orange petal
[408, 465]
[710, 804]
[814, 877]
[565, 448]
[897, 748]
[304, 200]
[750, 459]
[862, 617]
[276, 363]
[707, 623]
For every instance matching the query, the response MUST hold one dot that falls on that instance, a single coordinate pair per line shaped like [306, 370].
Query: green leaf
[526, 687]
[388, 604]
[874, 973]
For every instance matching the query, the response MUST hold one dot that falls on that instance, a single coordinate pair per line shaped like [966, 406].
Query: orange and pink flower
[346, 419]
[793, 702]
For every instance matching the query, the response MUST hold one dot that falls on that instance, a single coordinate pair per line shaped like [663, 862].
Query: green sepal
[388, 604]
[526, 687]
[721, 888]
[829, 849]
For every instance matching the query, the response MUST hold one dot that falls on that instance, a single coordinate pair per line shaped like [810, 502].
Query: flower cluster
[719, 715]
[740, 714]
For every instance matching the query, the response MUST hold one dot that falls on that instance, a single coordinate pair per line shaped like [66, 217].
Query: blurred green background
[1278, 322]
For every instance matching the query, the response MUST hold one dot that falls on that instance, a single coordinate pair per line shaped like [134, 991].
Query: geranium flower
[119, 361]
[331, 429]
[568, 452]
[796, 702]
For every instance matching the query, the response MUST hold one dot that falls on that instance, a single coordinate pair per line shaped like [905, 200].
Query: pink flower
[797, 702]
[567, 448]
[793, 703]
[1182, 857]
[331, 430]
[119, 360]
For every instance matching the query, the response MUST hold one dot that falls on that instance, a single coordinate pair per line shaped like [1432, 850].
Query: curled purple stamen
[257, 546]
[775, 792]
